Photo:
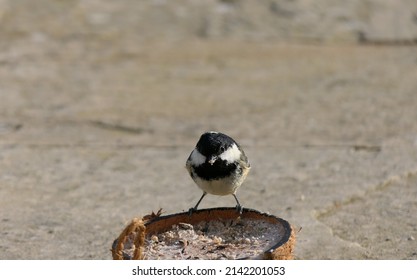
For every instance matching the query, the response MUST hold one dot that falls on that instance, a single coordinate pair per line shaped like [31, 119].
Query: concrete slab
[95, 130]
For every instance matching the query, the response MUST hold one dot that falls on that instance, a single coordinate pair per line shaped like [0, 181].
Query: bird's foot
[239, 209]
[191, 211]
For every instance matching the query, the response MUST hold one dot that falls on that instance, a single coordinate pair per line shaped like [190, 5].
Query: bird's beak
[212, 160]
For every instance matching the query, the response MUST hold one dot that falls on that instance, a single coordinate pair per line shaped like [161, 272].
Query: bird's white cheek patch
[197, 158]
[231, 155]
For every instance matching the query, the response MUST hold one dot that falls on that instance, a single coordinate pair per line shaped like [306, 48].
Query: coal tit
[218, 166]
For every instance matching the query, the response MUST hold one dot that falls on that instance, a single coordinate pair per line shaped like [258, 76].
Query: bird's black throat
[220, 169]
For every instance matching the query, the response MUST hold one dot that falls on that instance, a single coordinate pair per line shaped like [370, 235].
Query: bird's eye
[222, 149]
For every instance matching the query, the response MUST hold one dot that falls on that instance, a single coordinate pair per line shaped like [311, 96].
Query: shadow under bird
[218, 165]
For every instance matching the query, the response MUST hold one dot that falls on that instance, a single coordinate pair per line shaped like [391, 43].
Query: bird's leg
[239, 207]
[191, 210]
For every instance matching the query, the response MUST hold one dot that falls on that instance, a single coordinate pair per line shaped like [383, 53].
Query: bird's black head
[214, 143]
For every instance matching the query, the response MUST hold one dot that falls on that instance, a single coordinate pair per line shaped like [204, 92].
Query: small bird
[218, 165]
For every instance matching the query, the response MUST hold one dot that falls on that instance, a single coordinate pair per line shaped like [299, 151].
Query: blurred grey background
[101, 103]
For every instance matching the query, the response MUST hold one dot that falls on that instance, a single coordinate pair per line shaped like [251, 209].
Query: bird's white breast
[222, 186]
